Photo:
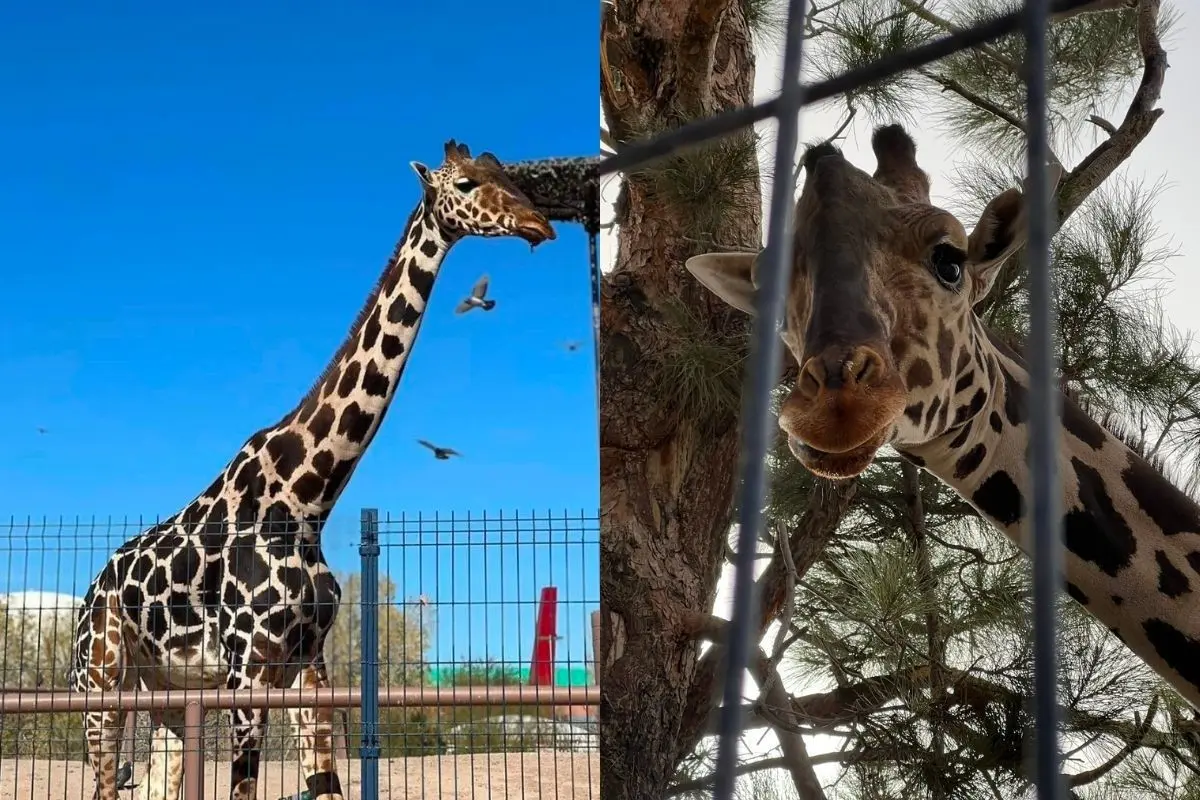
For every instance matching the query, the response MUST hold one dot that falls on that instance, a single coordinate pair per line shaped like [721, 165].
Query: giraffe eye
[465, 185]
[947, 262]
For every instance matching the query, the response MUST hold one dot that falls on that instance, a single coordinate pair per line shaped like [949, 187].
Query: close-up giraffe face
[878, 314]
[475, 197]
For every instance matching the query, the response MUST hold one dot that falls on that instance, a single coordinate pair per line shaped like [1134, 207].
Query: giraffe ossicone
[233, 590]
[879, 316]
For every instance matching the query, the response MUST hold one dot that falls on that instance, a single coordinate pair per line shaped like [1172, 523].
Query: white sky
[1165, 156]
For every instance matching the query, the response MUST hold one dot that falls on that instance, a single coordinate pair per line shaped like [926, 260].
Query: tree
[671, 355]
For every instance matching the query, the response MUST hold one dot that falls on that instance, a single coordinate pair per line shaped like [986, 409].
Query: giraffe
[879, 316]
[233, 590]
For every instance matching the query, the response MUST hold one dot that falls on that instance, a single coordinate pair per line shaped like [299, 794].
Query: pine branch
[796, 759]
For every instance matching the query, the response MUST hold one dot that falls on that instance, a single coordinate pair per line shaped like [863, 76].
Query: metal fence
[774, 275]
[460, 662]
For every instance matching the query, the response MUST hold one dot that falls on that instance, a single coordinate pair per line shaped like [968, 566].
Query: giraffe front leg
[249, 727]
[164, 775]
[314, 731]
[102, 732]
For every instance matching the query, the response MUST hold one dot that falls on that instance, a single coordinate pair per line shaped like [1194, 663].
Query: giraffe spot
[1016, 403]
[307, 407]
[964, 359]
[1169, 508]
[403, 312]
[1077, 594]
[934, 405]
[323, 462]
[275, 488]
[970, 461]
[218, 514]
[999, 498]
[914, 412]
[183, 614]
[1083, 427]
[965, 381]
[971, 409]
[391, 280]
[158, 582]
[327, 595]
[321, 423]
[287, 452]
[1180, 651]
[355, 422]
[1117, 600]
[307, 487]
[371, 329]
[961, 437]
[920, 374]
[1193, 559]
[1171, 581]
[265, 600]
[1117, 634]
[249, 478]
[323, 784]
[995, 421]
[214, 488]
[337, 479]
[374, 382]
[421, 280]
[391, 346]
[185, 566]
[131, 600]
[429, 248]
[349, 379]
[246, 564]
[1097, 532]
[142, 567]
[156, 620]
[945, 348]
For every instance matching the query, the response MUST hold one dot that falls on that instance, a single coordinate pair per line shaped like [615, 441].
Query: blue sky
[197, 199]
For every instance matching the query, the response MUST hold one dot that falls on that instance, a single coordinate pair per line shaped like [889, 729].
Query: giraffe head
[878, 313]
[475, 197]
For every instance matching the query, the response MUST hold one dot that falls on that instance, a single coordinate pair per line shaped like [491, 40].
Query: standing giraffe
[233, 590]
[879, 317]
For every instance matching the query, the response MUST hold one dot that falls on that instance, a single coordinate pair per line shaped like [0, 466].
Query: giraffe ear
[422, 173]
[999, 233]
[730, 276]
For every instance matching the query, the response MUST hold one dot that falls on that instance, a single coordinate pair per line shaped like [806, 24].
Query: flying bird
[572, 346]
[477, 298]
[440, 453]
[42, 430]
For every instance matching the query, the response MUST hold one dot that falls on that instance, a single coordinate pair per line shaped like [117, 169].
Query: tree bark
[666, 478]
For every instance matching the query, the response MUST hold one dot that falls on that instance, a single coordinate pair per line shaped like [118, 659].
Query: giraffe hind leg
[314, 730]
[103, 669]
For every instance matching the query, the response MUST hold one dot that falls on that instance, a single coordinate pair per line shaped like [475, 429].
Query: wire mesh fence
[456, 658]
[772, 280]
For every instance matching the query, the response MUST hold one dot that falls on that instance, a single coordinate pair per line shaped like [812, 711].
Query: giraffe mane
[1107, 418]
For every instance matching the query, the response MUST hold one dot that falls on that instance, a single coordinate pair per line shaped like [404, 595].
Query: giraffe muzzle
[842, 410]
[536, 230]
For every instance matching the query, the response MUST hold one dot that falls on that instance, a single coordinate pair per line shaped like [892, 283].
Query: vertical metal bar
[757, 423]
[193, 751]
[1046, 546]
[368, 752]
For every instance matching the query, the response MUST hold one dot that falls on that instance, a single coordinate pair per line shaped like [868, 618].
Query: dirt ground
[530, 776]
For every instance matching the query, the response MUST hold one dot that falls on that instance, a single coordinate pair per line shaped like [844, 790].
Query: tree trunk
[667, 473]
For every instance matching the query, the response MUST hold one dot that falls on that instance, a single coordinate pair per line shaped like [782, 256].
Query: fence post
[368, 549]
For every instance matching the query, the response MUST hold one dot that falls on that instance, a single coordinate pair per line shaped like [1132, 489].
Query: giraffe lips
[843, 465]
[536, 232]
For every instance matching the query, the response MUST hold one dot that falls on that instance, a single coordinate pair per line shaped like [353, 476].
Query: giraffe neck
[1132, 538]
[339, 416]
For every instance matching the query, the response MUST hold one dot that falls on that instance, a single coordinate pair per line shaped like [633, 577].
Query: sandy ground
[543, 774]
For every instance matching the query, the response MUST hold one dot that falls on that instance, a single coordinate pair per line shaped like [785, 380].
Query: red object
[541, 668]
